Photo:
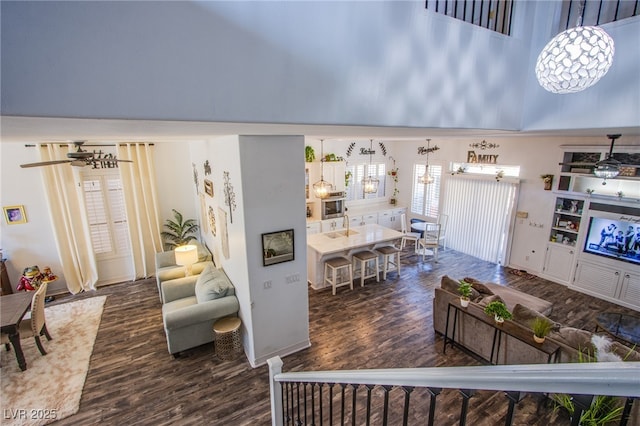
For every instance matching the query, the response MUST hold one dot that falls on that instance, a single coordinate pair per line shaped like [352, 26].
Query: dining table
[13, 307]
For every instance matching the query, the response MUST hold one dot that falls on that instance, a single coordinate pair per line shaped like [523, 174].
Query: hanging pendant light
[575, 59]
[426, 178]
[370, 184]
[608, 168]
[322, 188]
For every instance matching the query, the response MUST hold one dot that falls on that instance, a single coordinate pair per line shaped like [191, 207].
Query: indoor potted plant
[499, 311]
[541, 327]
[309, 154]
[179, 231]
[465, 293]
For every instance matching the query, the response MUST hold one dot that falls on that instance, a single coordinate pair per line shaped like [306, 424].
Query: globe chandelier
[370, 184]
[322, 188]
[575, 59]
[608, 168]
[426, 178]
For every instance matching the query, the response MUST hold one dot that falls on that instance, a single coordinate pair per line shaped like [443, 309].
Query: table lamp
[186, 256]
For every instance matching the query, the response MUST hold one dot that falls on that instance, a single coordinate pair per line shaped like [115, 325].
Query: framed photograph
[208, 187]
[15, 215]
[277, 247]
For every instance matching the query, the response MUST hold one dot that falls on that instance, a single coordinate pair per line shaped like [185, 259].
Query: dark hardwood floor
[133, 380]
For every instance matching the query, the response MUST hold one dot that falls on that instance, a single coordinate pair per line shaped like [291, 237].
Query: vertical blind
[480, 212]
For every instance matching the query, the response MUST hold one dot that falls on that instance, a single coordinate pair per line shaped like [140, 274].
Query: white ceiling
[41, 129]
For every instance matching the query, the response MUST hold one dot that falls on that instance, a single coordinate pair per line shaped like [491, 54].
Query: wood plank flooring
[133, 380]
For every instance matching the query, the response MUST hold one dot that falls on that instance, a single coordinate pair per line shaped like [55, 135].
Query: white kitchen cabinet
[618, 284]
[314, 228]
[365, 219]
[558, 262]
[330, 225]
[334, 173]
[391, 218]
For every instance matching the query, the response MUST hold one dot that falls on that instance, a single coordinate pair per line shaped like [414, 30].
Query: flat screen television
[614, 236]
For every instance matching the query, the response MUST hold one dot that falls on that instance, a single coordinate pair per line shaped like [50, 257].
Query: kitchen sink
[339, 234]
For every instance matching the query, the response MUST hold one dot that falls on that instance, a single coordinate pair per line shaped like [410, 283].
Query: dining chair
[430, 241]
[443, 220]
[408, 236]
[35, 326]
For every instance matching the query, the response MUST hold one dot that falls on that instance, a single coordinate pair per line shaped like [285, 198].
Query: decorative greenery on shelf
[499, 175]
[498, 309]
[464, 289]
[179, 231]
[309, 154]
[541, 327]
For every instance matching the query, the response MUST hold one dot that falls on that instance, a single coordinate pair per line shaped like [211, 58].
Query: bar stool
[390, 260]
[364, 257]
[334, 266]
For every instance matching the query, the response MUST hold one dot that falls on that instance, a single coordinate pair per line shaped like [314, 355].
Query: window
[425, 199]
[355, 190]
[106, 214]
[486, 169]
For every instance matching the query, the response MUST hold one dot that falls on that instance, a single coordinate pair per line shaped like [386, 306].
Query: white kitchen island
[321, 247]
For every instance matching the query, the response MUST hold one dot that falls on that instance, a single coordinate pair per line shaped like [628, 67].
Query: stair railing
[297, 397]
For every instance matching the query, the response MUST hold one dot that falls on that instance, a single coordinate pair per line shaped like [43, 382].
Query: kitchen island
[321, 247]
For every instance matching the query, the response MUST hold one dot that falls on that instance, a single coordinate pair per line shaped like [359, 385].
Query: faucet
[348, 223]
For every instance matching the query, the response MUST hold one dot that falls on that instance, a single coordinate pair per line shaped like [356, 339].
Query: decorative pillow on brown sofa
[451, 285]
[525, 316]
[575, 338]
[477, 285]
[490, 298]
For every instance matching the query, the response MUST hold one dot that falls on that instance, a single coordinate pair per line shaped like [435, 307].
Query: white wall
[368, 63]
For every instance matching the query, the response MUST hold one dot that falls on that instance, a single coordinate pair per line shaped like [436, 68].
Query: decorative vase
[574, 207]
[538, 339]
[498, 319]
[464, 302]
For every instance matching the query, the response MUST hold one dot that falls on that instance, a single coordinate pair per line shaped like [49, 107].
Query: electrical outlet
[293, 278]
[267, 284]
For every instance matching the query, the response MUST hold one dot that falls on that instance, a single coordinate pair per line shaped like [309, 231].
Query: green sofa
[167, 269]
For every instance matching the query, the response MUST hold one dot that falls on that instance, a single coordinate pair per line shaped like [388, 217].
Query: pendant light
[322, 188]
[370, 184]
[575, 59]
[426, 178]
[608, 168]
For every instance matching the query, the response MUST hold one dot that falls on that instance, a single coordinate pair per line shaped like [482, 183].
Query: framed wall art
[208, 187]
[277, 247]
[15, 215]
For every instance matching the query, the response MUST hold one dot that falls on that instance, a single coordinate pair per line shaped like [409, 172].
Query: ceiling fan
[80, 158]
[607, 168]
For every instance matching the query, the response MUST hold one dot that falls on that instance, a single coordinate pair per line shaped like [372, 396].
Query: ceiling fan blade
[79, 163]
[44, 163]
[122, 161]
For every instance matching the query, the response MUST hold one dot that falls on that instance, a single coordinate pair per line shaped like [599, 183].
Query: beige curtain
[140, 197]
[70, 226]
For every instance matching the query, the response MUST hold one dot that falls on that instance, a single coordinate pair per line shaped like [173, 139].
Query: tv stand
[617, 283]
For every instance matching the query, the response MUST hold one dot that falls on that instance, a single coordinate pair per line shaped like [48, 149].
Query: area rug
[51, 386]
[521, 273]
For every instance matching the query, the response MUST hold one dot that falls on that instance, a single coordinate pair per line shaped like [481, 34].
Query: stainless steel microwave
[333, 206]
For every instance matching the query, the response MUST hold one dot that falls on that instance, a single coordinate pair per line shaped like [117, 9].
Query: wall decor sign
[229, 195]
[224, 236]
[422, 150]
[277, 247]
[15, 215]
[212, 221]
[208, 187]
[484, 145]
[472, 157]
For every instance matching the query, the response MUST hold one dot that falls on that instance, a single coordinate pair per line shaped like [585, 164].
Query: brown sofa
[477, 336]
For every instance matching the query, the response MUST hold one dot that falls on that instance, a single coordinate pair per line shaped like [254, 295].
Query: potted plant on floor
[541, 327]
[179, 231]
[465, 293]
[499, 311]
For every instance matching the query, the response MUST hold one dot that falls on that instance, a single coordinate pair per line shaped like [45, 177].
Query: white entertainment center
[594, 242]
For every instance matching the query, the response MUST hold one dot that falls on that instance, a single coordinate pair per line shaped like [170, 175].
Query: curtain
[69, 220]
[140, 198]
[480, 214]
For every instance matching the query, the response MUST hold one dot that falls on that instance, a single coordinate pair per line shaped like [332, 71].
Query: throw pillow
[525, 316]
[478, 286]
[490, 298]
[451, 285]
[575, 338]
[211, 284]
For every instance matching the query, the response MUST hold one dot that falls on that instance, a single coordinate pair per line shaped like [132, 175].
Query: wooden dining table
[13, 307]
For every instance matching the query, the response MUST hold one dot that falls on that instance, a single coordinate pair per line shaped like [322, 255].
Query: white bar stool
[332, 268]
[390, 260]
[364, 257]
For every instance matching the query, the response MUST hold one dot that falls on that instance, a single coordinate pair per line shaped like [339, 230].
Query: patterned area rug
[51, 386]
[521, 273]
